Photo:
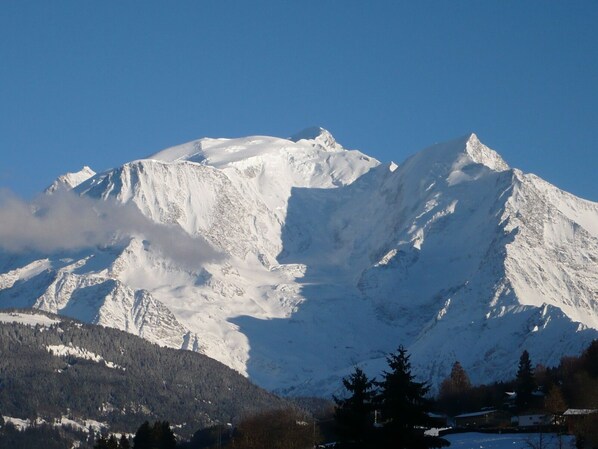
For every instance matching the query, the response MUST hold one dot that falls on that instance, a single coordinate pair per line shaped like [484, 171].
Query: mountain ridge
[448, 251]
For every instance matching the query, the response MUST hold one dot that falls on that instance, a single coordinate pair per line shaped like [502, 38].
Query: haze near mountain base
[328, 259]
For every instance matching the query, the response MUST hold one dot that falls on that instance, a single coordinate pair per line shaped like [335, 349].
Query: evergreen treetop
[525, 381]
[353, 415]
[404, 406]
[158, 436]
[402, 399]
[143, 437]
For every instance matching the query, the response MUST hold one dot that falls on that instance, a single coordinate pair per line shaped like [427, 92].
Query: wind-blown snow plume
[66, 221]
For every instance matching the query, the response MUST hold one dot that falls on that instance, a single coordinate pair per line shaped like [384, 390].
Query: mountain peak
[70, 180]
[311, 133]
[481, 154]
[456, 154]
[318, 135]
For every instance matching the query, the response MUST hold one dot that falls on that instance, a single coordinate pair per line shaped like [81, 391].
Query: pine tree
[112, 442]
[525, 382]
[162, 436]
[124, 442]
[106, 443]
[158, 436]
[101, 443]
[353, 415]
[404, 406]
[143, 437]
[589, 359]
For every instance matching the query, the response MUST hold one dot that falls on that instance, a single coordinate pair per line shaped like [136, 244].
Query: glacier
[316, 259]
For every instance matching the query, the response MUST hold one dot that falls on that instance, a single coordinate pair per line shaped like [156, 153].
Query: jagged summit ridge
[319, 135]
[445, 158]
[481, 154]
[311, 133]
[451, 253]
[69, 180]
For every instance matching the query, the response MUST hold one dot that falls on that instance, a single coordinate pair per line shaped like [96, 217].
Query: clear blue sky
[100, 83]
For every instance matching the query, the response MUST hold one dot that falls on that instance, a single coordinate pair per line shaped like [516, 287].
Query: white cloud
[66, 221]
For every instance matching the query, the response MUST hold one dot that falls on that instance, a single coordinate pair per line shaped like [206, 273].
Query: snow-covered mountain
[323, 258]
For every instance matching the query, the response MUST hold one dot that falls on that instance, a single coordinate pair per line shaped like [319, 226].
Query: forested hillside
[80, 371]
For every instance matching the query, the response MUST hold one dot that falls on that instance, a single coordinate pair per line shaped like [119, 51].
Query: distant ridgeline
[55, 368]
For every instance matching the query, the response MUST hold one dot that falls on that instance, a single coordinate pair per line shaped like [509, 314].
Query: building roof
[580, 411]
[471, 415]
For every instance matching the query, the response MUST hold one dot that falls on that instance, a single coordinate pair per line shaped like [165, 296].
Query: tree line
[390, 413]
[571, 384]
[156, 436]
[395, 410]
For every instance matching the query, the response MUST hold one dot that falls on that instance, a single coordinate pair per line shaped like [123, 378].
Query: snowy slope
[326, 258]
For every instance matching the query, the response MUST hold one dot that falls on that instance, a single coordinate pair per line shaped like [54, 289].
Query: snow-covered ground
[470, 440]
[30, 319]
[81, 353]
[476, 440]
[83, 425]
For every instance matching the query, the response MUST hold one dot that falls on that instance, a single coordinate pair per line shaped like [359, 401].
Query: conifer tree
[124, 442]
[158, 436]
[589, 359]
[101, 443]
[525, 381]
[112, 443]
[106, 443]
[404, 406]
[162, 436]
[143, 437]
[353, 415]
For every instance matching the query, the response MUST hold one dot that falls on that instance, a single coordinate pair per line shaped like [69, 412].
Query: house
[483, 418]
[574, 417]
[533, 420]
[438, 420]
